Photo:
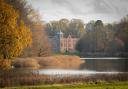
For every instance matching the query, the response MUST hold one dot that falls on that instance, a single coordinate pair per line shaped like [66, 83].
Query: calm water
[93, 66]
[105, 64]
[74, 72]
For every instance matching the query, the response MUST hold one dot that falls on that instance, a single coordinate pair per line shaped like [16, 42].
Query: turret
[60, 34]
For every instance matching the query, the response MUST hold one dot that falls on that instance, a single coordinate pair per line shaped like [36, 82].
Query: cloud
[110, 6]
[107, 10]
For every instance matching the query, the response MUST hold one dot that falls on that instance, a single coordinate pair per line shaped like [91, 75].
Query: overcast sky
[106, 10]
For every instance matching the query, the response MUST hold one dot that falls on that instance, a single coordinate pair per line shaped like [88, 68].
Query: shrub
[60, 61]
[26, 63]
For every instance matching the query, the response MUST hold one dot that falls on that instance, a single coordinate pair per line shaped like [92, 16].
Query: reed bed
[31, 77]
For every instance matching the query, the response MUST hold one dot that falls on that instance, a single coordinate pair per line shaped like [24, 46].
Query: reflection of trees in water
[106, 65]
[126, 65]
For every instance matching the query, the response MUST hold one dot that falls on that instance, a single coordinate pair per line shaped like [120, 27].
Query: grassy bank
[114, 85]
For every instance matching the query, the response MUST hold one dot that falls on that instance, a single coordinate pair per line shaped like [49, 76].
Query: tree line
[96, 37]
[104, 39]
[32, 19]
[72, 27]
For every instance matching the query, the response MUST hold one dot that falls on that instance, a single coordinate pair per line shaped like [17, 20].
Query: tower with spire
[59, 37]
[60, 34]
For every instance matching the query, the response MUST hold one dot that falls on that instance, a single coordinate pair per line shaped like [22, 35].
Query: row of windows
[70, 40]
[69, 45]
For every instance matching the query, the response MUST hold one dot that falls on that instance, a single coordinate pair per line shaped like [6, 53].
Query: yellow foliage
[14, 37]
[5, 64]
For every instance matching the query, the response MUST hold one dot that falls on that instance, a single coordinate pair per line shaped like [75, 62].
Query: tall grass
[58, 61]
[22, 77]
[26, 63]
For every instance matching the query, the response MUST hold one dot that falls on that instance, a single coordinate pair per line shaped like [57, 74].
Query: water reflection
[106, 64]
[74, 72]
[92, 66]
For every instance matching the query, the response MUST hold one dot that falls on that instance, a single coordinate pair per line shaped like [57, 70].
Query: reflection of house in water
[60, 43]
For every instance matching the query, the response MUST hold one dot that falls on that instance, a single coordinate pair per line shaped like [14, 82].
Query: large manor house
[60, 43]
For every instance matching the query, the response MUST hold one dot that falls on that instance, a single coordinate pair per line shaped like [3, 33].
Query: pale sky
[106, 10]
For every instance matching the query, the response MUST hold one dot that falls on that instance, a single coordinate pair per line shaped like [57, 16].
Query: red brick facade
[63, 44]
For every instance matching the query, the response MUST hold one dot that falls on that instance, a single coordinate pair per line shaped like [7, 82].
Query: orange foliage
[60, 61]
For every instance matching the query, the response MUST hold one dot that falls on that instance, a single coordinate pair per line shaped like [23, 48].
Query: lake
[93, 66]
[106, 64]
[75, 72]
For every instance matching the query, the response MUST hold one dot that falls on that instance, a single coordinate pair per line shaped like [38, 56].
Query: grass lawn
[118, 85]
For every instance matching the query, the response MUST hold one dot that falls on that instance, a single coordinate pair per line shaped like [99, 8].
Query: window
[61, 44]
[69, 40]
[69, 45]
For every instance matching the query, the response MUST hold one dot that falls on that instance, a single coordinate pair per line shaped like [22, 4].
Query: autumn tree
[40, 45]
[76, 27]
[13, 37]
[52, 28]
[32, 19]
[25, 10]
[94, 40]
[122, 31]
[100, 36]
[72, 27]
